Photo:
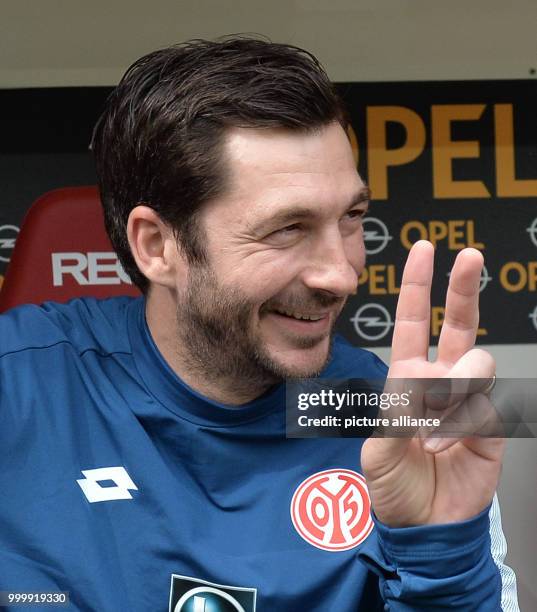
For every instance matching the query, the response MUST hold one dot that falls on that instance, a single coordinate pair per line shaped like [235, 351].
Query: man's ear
[154, 248]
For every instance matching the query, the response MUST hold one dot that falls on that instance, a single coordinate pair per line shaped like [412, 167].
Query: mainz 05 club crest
[331, 510]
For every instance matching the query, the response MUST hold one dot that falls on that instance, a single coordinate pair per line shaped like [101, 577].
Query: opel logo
[532, 231]
[376, 235]
[8, 235]
[533, 317]
[372, 321]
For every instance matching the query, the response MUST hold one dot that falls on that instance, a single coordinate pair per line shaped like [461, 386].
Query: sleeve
[435, 567]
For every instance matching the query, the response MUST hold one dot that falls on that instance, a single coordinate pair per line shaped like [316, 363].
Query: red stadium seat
[63, 252]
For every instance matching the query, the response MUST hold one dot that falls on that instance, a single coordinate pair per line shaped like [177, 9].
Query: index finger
[411, 330]
[461, 318]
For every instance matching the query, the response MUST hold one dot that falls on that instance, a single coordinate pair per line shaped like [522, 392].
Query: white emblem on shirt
[94, 492]
[200, 601]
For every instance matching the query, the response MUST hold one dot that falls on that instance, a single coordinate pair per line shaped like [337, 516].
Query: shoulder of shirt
[349, 361]
[84, 323]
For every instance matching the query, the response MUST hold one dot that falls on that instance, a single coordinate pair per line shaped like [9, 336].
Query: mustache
[313, 301]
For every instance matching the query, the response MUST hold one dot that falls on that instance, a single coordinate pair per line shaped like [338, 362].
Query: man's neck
[161, 320]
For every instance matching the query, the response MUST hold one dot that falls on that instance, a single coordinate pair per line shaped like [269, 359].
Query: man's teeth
[297, 315]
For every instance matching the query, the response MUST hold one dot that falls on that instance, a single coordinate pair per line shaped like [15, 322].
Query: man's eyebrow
[298, 212]
[364, 195]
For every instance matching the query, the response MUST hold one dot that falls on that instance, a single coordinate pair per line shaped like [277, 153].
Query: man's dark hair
[159, 140]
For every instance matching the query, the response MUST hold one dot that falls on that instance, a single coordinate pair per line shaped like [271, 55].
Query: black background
[46, 133]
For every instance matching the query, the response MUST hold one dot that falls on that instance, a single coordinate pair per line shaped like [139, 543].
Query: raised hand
[417, 481]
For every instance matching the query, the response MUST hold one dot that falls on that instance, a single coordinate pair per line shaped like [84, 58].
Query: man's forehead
[281, 150]
[267, 166]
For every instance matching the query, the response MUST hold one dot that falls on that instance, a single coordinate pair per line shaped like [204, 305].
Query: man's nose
[330, 268]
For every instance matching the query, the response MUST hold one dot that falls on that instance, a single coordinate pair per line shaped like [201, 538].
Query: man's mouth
[297, 322]
[301, 316]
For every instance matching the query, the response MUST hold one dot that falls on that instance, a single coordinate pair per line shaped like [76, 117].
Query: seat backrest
[63, 252]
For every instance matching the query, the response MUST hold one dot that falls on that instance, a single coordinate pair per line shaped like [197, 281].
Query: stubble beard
[217, 340]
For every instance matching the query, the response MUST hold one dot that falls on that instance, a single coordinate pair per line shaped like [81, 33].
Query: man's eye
[289, 228]
[356, 213]
[285, 235]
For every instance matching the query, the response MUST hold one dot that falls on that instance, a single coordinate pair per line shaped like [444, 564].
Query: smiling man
[147, 465]
[282, 250]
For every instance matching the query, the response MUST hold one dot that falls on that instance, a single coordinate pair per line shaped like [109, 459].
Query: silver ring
[492, 383]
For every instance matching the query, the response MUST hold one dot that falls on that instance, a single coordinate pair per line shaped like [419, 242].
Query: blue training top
[129, 490]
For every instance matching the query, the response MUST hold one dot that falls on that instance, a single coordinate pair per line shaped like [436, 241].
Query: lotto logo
[120, 481]
[331, 510]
